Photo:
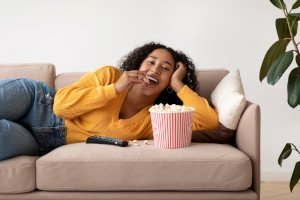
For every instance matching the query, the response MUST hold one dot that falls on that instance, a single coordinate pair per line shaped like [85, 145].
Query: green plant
[286, 152]
[275, 63]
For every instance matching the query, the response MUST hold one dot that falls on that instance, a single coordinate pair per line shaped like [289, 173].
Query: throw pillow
[229, 100]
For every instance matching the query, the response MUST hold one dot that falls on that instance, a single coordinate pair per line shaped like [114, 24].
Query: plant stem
[296, 148]
[291, 33]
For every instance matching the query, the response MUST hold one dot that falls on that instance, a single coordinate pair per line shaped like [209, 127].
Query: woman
[108, 102]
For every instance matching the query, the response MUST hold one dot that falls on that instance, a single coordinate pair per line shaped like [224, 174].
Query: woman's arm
[92, 91]
[205, 118]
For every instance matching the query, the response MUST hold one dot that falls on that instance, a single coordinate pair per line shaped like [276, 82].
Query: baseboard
[276, 175]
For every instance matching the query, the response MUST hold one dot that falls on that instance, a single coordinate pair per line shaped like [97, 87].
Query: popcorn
[136, 142]
[170, 108]
[172, 125]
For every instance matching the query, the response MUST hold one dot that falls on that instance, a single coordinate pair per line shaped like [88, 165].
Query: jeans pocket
[49, 138]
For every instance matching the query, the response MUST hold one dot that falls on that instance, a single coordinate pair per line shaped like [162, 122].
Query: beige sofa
[93, 171]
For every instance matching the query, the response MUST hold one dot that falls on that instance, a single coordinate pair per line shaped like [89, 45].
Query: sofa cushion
[208, 80]
[37, 71]
[229, 99]
[17, 174]
[98, 167]
[65, 79]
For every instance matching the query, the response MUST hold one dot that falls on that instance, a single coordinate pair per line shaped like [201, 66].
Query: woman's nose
[155, 70]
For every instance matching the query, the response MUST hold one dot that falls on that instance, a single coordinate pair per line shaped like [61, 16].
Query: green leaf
[296, 176]
[296, 4]
[298, 60]
[274, 51]
[283, 28]
[279, 66]
[295, 14]
[286, 152]
[294, 87]
[279, 4]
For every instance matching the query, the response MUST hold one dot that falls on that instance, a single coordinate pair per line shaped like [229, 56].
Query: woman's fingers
[140, 75]
[137, 74]
[130, 78]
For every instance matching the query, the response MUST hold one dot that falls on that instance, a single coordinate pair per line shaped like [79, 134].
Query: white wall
[81, 35]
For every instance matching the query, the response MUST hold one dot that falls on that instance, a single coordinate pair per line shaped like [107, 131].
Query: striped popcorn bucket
[172, 130]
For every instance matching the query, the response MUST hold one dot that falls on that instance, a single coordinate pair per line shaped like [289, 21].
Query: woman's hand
[176, 80]
[130, 78]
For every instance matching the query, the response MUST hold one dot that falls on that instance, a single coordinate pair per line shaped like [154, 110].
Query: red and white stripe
[172, 130]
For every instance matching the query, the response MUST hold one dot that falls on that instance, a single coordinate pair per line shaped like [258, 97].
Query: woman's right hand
[130, 78]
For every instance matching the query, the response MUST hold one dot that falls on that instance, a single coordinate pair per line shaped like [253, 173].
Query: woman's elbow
[57, 110]
[60, 110]
[214, 122]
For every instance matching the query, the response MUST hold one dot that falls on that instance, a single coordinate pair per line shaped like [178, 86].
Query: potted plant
[275, 63]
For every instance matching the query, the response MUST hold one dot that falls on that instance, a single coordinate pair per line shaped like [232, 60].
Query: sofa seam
[89, 162]
[22, 166]
[128, 189]
[19, 191]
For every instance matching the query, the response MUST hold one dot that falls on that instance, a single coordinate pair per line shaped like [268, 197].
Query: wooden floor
[279, 191]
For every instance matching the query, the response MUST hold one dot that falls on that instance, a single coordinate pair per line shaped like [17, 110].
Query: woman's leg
[16, 97]
[15, 140]
[15, 101]
[47, 129]
[30, 104]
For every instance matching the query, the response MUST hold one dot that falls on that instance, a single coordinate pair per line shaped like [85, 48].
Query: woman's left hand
[176, 80]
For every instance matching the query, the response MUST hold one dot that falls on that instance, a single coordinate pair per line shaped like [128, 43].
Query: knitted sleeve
[205, 118]
[93, 90]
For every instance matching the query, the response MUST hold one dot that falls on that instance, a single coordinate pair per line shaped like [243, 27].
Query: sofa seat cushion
[99, 167]
[17, 174]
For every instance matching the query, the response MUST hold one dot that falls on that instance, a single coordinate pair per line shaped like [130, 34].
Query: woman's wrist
[177, 85]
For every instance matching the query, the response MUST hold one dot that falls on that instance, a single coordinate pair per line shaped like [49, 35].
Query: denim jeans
[28, 125]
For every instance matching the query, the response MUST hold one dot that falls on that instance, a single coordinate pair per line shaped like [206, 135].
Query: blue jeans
[28, 125]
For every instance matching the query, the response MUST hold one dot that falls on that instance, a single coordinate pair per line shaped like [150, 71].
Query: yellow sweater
[91, 107]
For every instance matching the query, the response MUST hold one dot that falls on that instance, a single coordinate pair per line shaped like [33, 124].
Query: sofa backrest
[37, 71]
[208, 78]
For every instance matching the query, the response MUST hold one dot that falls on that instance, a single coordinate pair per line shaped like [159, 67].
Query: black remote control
[97, 139]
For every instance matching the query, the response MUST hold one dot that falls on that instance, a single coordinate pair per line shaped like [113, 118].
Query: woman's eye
[166, 68]
[150, 62]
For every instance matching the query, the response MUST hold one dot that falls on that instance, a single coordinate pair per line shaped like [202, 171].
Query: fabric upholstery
[95, 167]
[248, 140]
[65, 79]
[208, 80]
[133, 195]
[43, 71]
[17, 175]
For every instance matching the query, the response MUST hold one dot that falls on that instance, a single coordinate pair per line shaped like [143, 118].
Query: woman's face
[159, 66]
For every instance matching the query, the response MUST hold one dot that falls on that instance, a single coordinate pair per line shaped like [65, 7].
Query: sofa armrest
[248, 140]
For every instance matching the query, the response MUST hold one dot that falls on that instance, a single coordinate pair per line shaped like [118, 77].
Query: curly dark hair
[134, 59]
